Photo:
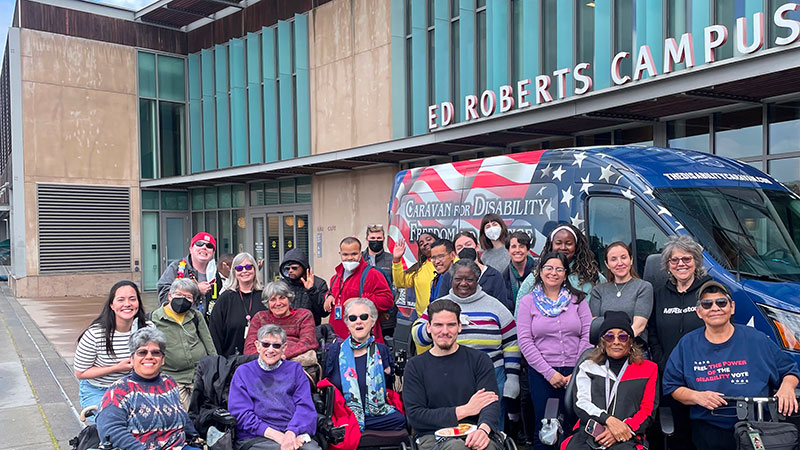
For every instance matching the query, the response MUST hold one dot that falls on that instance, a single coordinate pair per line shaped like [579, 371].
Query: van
[747, 223]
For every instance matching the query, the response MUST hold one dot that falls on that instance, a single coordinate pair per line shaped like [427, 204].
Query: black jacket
[383, 261]
[310, 299]
[212, 383]
[673, 316]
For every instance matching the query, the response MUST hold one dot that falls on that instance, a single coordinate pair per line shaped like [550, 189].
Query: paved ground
[38, 391]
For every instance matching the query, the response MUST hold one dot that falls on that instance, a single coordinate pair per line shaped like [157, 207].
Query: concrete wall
[344, 204]
[350, 74]
[80, 126]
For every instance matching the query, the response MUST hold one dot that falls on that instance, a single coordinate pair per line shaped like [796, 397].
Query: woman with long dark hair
[493, 237]
[102, 356]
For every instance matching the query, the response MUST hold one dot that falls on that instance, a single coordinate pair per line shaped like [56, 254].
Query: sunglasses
[143, 353]
[622, 337]
[293, 268]
[684, 259]
[275, 345]
[208, 245]
[721, 302]
[244, 267]
[353, 317]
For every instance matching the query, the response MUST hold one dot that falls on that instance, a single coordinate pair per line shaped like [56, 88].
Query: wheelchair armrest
[667, 423]
[551, 409]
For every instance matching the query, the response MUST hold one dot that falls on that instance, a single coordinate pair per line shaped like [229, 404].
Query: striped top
[486, 325]
[91, 352]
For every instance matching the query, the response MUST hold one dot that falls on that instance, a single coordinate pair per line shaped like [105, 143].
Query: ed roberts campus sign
[675, 52]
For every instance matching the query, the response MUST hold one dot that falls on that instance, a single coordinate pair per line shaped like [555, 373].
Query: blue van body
[748, 223]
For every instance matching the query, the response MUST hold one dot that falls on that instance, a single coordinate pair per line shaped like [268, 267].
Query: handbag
[753, 435]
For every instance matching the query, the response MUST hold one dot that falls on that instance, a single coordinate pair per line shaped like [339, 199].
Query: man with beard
[309, 290]
[449, 385]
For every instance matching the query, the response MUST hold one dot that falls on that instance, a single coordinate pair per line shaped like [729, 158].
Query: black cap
[616, 319]
[712, 284]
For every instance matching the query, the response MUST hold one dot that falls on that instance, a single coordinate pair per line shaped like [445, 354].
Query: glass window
[198, 199]
[517, 41]
[197, 223]
[481, 60]
[787, 171]
[623, 33]
[630, 136]
[211, 198]
[149, 199]
[585, 34]
[757, 164]
[148, 137]
[301, 222]
[225, 237]
[239, 236]
[726, 13]
[271, 196]
[409, 88]
[650, 239]
[430, 16]
[288, 233]
[172, 200]
[609, 221]
[549, 33]
[739, 133]
[595, 139]
[689, 134]
[257, 194]
[224, 196]
[287, 191]
[481, 3]
[171, 78]
[304, 190]
[237, 196]
[784, 127]
[678, 17]
[431, 68]
[774, 31]
[273, 252]
[147, 74]
[211, 222]
[455, 66]
[173, 138]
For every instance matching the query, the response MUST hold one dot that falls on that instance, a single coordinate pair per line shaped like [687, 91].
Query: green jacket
[187, 344]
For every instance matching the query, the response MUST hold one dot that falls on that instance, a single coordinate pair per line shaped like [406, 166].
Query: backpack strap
[363, 280]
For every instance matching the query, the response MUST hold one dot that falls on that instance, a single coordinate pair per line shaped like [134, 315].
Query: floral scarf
[376, 383]
[548, 307]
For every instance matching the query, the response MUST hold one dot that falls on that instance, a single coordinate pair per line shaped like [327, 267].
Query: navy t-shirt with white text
[748, 364]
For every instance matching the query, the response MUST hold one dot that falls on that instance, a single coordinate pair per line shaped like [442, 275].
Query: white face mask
[493, 233]
[350, 265]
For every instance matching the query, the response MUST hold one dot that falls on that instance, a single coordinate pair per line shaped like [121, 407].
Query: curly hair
[635, 357]
[421, 258]
[537, 280]
[585, 263]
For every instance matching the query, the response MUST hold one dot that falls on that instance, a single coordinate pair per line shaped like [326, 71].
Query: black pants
[682, 438]
[710, 437]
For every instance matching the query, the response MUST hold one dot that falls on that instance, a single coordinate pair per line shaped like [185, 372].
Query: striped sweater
[490, 328]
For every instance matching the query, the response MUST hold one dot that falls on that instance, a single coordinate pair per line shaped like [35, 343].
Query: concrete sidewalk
[38, 391]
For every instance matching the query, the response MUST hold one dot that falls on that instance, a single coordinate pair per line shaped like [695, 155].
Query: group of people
[499, 332]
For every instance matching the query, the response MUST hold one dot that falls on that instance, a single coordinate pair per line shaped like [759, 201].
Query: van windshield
[752, 232]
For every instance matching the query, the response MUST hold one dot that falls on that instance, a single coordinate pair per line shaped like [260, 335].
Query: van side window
[614, 219]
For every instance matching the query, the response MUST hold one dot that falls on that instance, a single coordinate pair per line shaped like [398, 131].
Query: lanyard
[611, 391]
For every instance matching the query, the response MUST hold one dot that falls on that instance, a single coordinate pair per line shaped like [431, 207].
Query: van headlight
[787, 325]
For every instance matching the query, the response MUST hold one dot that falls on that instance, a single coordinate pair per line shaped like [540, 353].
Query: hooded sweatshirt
[310, 299]
[673, 316]
[487, 325]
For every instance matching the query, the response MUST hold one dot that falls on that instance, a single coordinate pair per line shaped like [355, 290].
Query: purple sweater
[278, 399]
[548, 342]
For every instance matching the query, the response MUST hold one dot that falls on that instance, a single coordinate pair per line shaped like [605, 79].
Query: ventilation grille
[84, 228]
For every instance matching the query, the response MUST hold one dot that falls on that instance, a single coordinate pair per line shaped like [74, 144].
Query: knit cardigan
[299, 327]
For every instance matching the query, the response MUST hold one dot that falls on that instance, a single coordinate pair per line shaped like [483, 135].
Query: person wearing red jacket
[350, 281]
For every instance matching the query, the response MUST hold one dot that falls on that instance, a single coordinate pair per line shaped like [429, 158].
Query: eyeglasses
[684, 259]
[721, 302]
[438, 257]
[293, 268]
[458, 280]
[551, 268]
[141, 353]
[275, 345]
[244, 267]
[353, 317]
[208, 245]
[622, 337]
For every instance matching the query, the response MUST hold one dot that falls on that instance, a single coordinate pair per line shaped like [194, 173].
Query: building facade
[280, 124]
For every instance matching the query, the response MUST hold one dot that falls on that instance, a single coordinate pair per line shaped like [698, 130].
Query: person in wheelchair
[725, 359]
[143, 410]
[451, 384]
[271, 399]
[616, 390]
[358, 367]
[301, 339]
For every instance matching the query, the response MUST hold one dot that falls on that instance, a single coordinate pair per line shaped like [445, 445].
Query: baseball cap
[709, 284]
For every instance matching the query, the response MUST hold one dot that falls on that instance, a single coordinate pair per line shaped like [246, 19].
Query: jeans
[90, 395]
[541, 390]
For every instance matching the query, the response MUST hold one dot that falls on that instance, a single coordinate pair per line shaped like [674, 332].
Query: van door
[612, 218]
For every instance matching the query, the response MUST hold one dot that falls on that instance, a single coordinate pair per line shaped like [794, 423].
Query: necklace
[619, 291]
[247, 311]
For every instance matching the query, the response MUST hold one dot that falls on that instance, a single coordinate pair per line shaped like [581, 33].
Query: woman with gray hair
[674, 315]
[187, 334]
[235, 309]
[301, 343]
[271, 398]
[358, 366]
[143, 409]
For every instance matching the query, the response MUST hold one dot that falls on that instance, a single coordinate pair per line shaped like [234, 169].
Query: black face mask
[468, 253]
[376, 246]
[180, 305]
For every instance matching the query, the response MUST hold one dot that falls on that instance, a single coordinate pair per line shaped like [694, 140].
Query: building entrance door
[175, 234]
[275, 234]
